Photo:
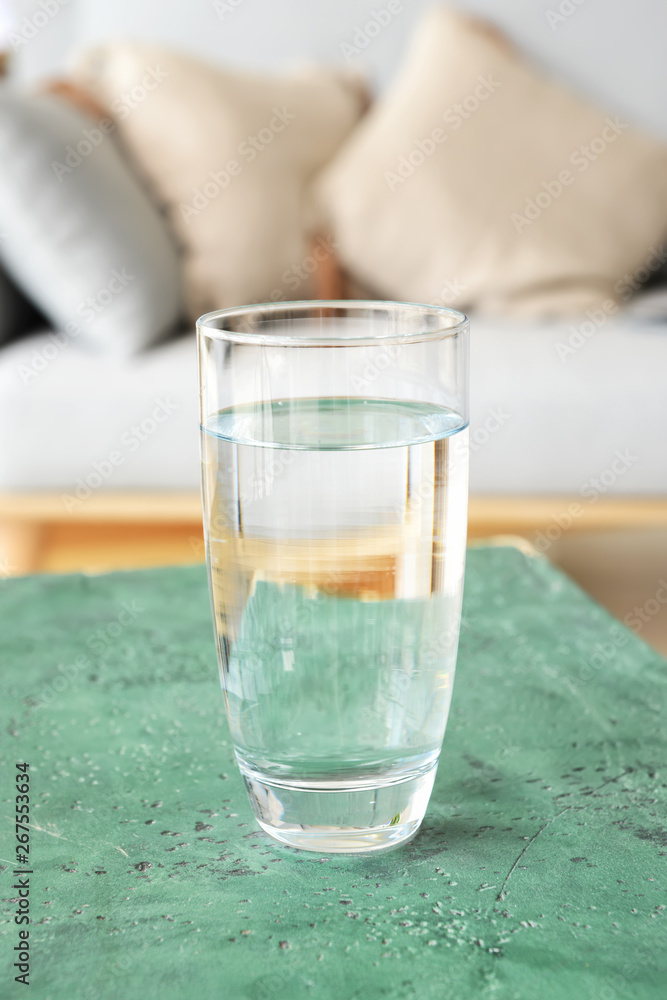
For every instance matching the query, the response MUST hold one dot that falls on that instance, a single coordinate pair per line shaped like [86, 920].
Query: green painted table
[539, 871]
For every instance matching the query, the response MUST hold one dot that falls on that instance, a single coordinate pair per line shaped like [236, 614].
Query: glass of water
[335, 487]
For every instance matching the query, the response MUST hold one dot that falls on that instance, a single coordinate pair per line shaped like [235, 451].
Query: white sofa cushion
[569, 408]
[552, 405]
[76, 423]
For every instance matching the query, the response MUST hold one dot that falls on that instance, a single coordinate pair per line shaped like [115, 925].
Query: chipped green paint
[539, 871]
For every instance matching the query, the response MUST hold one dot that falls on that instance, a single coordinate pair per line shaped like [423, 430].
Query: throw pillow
[477, 182]
[82, 238]
[230, 155]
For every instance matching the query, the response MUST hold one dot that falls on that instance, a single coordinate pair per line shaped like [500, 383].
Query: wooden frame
[529, 516]
[128, 530]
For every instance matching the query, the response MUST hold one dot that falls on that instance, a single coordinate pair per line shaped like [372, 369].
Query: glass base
[343, 816]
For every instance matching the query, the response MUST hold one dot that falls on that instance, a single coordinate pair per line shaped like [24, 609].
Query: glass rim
[458, 323]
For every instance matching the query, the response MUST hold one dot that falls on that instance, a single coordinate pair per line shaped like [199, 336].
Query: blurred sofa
[572, 405]
[590, 427]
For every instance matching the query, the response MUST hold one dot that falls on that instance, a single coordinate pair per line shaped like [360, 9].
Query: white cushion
[67, 415]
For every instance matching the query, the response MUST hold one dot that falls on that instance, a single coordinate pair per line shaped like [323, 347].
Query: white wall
[40, 39]
[612, 50]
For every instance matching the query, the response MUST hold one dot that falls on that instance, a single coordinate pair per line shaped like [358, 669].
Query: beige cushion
[230, 156]
[476, 182]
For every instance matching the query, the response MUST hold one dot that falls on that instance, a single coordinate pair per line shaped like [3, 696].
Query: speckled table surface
[539, 871]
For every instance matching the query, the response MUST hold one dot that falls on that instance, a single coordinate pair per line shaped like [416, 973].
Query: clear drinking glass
[335, 487]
